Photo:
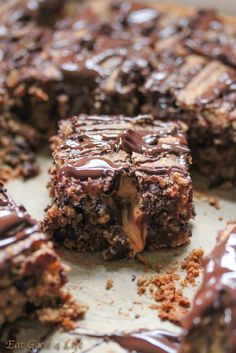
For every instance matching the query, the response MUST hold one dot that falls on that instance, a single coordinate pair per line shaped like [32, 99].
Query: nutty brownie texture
[201, 93]
[31, 273]
[120, 185]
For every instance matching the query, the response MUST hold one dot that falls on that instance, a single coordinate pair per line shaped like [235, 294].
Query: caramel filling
[133, 219]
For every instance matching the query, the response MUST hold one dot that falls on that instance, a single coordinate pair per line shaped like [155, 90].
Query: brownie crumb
[109, 284]
[212, 200]
[193, 265]
[171, 305]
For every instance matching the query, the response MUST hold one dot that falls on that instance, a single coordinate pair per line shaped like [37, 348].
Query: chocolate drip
[15, 223]
[158, 341]
[162, 171]
[149, 342]
[95, 139]
[212, 38]
[90, 168]
[147, 143]
[218, 290]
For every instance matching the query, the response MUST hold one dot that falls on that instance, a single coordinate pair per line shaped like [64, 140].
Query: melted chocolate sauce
[15, 223]
[147, 143]
[162, 171]
[213, 39]
[218, 290]
[93, 168]
[97, 138]
[157, 341]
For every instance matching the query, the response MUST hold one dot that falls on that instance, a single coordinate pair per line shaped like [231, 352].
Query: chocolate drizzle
[218, 289]
[147, 142]
[90, 168]
[158, 341]
[213, 38]
[96, 141]
[15, 223]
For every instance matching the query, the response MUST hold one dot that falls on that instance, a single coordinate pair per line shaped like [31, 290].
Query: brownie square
[31, 273]
[120, 184]
[201, 93]
[211, 323]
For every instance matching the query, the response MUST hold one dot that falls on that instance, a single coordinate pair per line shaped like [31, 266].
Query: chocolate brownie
[211, 324]
[120, 185]
[31, 274]
[201, 93]
[18, 142]
[40, 67]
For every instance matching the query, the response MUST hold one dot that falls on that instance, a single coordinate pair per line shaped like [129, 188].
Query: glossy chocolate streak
[15, 223]
[95, 141]
[90, 168]
[157, 341]
[218, 290]
[162, 171]
[146, 142]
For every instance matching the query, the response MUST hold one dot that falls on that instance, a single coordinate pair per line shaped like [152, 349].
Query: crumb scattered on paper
[170, 302]
[193, 265]
[212, 200]
[109, 284]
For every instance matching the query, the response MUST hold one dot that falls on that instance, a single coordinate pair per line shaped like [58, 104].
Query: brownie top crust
[214, 37]
[97, 146]
[218, 288]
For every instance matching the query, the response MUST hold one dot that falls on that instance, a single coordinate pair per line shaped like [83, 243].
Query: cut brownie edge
[32, 277]
[18, 143]
[120, 185]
